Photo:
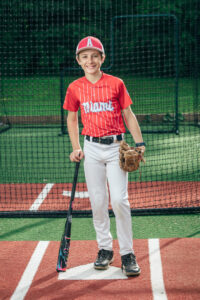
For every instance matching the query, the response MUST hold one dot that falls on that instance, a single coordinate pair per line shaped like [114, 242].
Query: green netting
[152, 45]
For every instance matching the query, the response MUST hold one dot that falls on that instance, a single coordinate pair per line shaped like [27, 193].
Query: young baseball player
[104, 103]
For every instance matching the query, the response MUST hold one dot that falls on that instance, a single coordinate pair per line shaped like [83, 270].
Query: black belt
[102, 140]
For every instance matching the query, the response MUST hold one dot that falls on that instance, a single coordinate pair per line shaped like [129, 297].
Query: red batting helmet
[89, 42]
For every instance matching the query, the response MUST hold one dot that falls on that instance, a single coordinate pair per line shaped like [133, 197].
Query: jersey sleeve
[71, 102]
[124, 97]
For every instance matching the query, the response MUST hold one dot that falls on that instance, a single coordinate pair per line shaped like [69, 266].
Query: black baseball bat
[66, 237]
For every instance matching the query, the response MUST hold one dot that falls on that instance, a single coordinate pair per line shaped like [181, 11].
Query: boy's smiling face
[90, 61]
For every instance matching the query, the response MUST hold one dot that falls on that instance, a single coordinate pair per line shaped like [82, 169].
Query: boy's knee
[119, 202]
[99, 203]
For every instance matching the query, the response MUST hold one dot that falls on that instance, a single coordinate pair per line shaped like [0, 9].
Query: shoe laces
[102, 253]
[129, 259]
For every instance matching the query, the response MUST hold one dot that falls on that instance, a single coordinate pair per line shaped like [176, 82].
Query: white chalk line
[156, 274]
[40, 199]
[157, 282]
[79, 194]
[30, 271]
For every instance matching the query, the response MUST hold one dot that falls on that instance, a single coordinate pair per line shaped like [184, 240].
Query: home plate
[87, 272]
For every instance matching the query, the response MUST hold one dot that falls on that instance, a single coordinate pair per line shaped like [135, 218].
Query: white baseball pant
[101, 165]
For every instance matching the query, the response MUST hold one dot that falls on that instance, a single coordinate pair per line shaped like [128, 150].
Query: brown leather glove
[130, 157]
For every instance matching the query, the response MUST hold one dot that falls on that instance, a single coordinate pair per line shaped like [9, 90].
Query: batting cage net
[154, 46]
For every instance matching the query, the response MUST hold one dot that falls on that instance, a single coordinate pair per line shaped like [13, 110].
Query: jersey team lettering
[101, 104]
[97, 106]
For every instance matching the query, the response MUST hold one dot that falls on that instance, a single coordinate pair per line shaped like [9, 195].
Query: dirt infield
[170, 270]
[142, 195]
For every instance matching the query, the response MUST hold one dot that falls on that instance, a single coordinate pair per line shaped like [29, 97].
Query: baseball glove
[130, 157]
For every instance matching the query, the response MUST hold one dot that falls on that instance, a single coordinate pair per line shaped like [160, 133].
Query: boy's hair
[102, 55]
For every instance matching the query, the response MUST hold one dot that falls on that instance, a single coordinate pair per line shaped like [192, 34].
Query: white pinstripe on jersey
[100, 104]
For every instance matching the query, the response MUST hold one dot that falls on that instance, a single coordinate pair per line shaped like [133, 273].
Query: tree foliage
[39, 37]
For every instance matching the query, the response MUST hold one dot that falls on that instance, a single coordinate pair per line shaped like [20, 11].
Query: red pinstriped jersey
[100, 103]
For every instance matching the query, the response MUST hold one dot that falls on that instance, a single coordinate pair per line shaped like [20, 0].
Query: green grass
[40, 96]
[40, 156]
[144, 227]
[36, 156]
[31, 96]
[157, 95]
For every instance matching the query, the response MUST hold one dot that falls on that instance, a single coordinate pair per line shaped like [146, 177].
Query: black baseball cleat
[104, 258]
[129, 265]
